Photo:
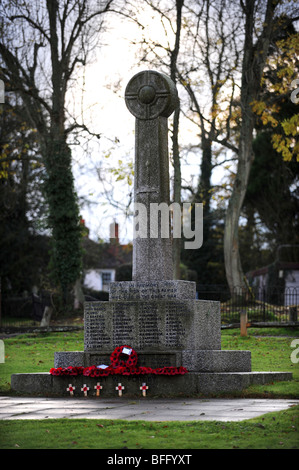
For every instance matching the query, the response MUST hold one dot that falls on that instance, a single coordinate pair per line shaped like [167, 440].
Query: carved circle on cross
[151, 94]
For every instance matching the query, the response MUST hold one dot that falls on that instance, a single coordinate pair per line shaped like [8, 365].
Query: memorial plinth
[155, 315]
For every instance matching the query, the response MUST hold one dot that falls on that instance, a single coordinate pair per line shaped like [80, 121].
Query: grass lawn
[270, 351]
[270, 348]
[271, 431]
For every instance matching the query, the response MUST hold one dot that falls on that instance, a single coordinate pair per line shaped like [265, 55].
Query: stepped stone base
[194, 361]
[166, 326]
[190, 384]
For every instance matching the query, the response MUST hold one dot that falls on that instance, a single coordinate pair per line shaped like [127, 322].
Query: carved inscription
[153, 292]
[142, 325]
[95, 327]
[149, 333]
[123, 324]
[150, 290]
[174, 329]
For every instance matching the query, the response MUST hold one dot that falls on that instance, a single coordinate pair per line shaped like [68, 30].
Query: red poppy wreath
[123, 361]
[123, 356]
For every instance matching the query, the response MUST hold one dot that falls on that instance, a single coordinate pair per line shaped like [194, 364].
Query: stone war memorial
[152, 338]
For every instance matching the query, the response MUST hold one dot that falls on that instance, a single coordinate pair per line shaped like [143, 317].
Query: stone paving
[140, 409]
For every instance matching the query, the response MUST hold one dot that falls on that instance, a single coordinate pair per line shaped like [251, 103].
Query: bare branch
[32, 23]
[76, 125]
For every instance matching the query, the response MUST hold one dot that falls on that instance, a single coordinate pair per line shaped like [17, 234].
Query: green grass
[35, 353]
[271, 431]
[270, 349]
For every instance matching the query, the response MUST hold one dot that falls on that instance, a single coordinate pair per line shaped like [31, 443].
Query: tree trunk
[63, 215]
[176, 191]
[176, 244]
[204, 186]
[78, 295]
[61, 195]
[252, 68]
[233, 267]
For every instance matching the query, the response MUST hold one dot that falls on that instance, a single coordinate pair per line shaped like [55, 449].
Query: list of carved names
[140, 325]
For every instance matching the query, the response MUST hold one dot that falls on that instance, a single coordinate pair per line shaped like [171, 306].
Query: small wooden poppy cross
[98, 387]
[85, 390]
[144, 388]
[120, 388]
[71, 389]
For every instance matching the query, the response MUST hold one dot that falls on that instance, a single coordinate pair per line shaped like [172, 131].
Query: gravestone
[157, 316]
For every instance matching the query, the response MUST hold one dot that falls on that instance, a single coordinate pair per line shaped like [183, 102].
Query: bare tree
[232, 41]
[42, 45]
[175, 133]
[209, 77]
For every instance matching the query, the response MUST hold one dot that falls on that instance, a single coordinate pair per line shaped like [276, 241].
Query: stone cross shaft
[151, 97]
